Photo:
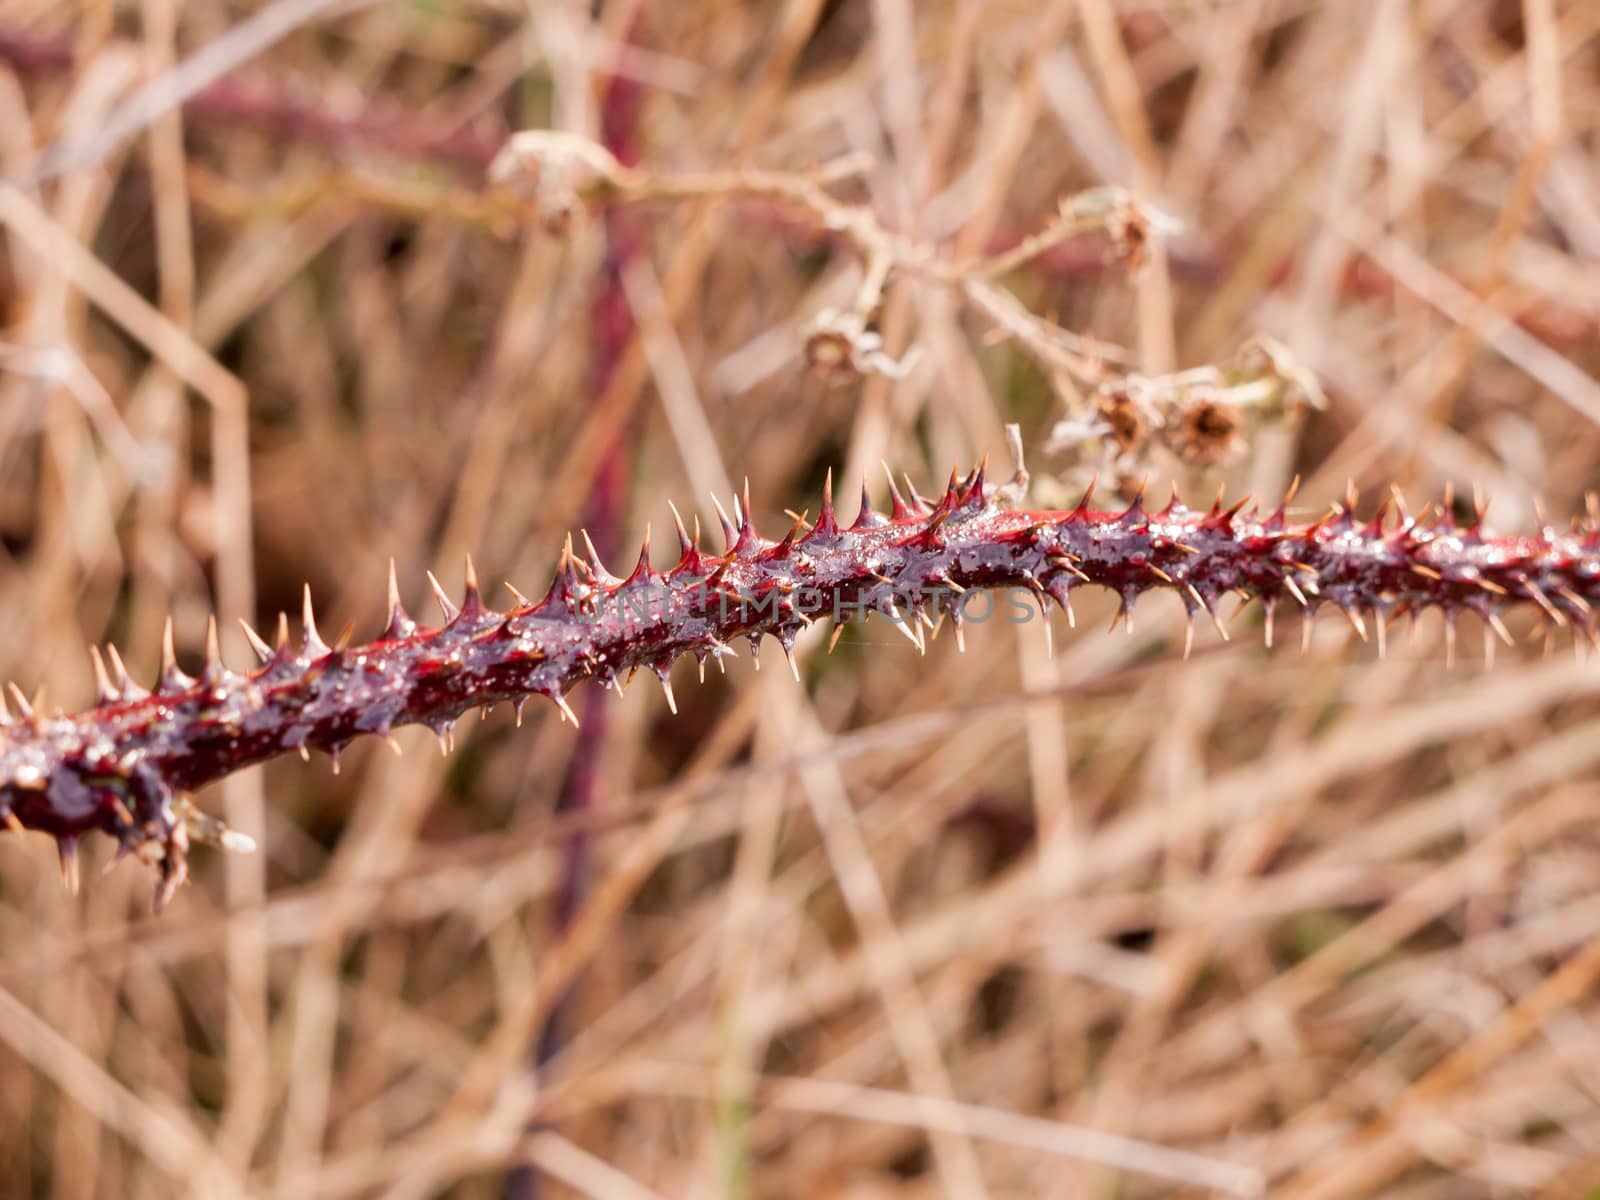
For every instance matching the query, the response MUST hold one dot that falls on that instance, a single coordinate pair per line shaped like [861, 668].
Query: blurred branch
[271, 109]
[189, 78]
[560, 175]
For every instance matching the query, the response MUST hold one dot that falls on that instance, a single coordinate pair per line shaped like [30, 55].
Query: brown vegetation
[1107, 923]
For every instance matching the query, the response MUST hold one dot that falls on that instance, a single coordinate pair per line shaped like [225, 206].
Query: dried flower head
[1126, 418]
[1208, 433]
[839, 345]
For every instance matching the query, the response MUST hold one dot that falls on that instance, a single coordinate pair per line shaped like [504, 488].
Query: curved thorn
[566, 710]
[449, 610]
[1082, 508]
[126, 687]
[71, 870]
[315, 647]
[169, 654]
[919, 502]
[104, 692]
[730, 537]
[24, 708]
[258, 644]
[898, 509]
[685, 546]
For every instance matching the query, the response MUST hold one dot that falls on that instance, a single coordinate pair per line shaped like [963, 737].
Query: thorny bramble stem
[125, 766]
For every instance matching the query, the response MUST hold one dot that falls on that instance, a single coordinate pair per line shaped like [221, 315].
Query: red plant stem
[121, 766]
[233, 101]
[611, 331]
[404, 135]
[32, 54]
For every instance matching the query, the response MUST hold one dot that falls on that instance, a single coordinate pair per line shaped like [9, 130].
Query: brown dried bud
[841, 346]
[1208, 433]
[1125, 419]
[557, 174]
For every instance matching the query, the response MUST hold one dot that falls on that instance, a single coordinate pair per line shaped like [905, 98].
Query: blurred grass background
[1102, 924]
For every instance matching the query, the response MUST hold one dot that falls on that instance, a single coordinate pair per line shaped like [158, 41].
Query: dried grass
[964, 924]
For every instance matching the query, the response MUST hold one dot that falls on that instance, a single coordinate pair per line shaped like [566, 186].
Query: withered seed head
[1127, 424]
[1208, 434]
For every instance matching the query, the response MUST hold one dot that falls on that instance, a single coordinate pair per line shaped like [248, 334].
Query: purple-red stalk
[123, 766]
[611, 332]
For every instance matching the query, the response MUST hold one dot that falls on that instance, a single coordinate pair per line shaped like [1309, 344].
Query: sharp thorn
[1495, 623]
[71, 867]
[898, 621]
[918, 501]
[866, 515]
[566, 710]
[104, 692]
[214, 667]
[898, 509]
[169, 655]
[399, 624]
[119, 673]
[1536, 594]
[258, 644]
[684, 544]
[730, 536]
[826, 524]
[315, 646]
[449, 610]
[641, 567]
[1355, 620]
